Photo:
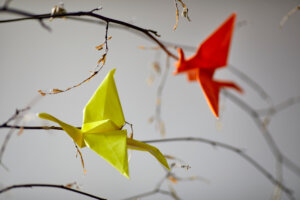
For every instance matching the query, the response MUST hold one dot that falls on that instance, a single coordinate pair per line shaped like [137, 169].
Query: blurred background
[33, 58]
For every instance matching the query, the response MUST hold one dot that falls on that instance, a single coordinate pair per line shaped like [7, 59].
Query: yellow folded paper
[101, 130]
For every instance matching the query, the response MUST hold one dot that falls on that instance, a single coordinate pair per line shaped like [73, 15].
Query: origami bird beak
[180, 64]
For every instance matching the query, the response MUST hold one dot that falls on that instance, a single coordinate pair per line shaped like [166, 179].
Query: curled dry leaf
[162, 128]
[131, 135]
[58, 10]
[20, 132]
[42, 93]
[151, 119]
[102, 59]
[100, 47]
[158, 101]
[290, 13]
[78, 152]
[177, 16]
[169, 157]
[73, 185]
[55, 91]
[150, 80]
[156, 67]
[185, 12]
[172, 179]
[174, 158]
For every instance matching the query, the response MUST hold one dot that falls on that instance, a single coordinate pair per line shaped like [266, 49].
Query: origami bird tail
[229, 84]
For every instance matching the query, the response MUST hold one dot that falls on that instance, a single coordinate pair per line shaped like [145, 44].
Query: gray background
[32, 58]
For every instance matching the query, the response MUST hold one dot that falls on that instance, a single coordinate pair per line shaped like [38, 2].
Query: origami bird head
[102, 131]
[181, 65]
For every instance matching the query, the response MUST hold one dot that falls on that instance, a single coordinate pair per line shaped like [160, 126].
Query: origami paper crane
[101, 131]
[211, 55]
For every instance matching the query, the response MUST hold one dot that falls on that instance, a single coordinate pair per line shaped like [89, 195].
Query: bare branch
[279, 107]
[256, 87]
[233, 149]
[50, 186]
[147, 32]
[265, 132]
[290, 13]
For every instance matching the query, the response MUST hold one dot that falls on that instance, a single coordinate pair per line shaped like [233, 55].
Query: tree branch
[268, 175]
[50, 186]
[265, 132]
[148, 32]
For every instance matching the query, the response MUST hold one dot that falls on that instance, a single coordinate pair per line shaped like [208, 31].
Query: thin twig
[32, 127]
[279, 107]
[148, 32]
[256, 87]
[15, 117]
[222, 145]
[50, 186]
[158, 120]
[233, 149]
[265, 132]
[290, 13]
[156, 189]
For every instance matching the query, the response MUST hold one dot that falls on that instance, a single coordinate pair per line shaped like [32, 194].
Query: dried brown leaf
[55, 91]
[57, 10]
[150, 80]
[151, 119]
[290, 13]
[177, 16]
[70, 185]
[42, 93]
[162, 128]
[102, 59]
[185, 10]
[156, 67]
[158, 101]
[100, 47]
[81, 158]
[169, 157]
[172, 179]
[20, 132]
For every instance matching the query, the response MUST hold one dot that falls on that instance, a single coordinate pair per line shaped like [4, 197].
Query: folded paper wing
[211, 90]
[214, 51]
[112, 147]
[140, 146]
[103, 105]
[101, 131]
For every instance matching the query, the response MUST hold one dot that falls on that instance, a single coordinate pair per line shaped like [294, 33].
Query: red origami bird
[211, 55]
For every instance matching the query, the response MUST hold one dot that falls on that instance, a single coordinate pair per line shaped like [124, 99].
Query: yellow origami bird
[101, 131]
